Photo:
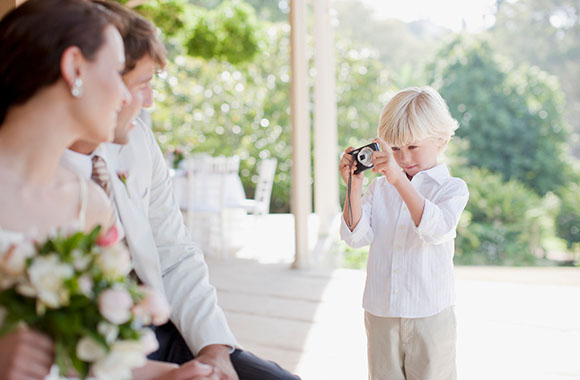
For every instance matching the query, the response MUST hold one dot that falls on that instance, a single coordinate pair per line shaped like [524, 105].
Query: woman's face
[104, 92]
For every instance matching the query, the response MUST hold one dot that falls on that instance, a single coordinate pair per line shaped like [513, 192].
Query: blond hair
[414, 114]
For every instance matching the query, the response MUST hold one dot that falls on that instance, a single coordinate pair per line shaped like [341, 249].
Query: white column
[326, 201]
[301, 194]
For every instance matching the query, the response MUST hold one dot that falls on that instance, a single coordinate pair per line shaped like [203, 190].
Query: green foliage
[512, 117]
[568, 219]
[502, 223]
[269, 10]
[355, 258]
[220, 108]
[229, 32]
[545, 33]
[402, 48]
[168, 15]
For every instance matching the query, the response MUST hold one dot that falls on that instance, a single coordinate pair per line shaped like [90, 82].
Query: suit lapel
[136, 225]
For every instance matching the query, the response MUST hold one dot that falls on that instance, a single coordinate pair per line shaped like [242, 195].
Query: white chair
[206, 198]
[260, 205]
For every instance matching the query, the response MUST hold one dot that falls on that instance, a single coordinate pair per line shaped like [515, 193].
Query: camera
[363, 157]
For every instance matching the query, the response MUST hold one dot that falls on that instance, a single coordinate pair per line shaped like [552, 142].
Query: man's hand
[192, 370]
[385, 163]
[218, 357]
[25, 354]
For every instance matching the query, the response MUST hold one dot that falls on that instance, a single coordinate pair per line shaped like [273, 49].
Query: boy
[408, 216]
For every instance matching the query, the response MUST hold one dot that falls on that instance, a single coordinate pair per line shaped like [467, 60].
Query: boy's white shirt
[410, 268]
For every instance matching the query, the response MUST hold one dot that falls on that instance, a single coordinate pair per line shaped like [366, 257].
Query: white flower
[47, 275]
[86, 285]
[155, 305]
[13, 259]
[108, 330]
[115, 305]
[81, 260]
[117, 365]
[89, 350]
[114, 261]
[26, 289]
[148, 342]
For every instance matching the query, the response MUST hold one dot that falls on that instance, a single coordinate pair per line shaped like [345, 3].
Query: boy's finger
[349, 149]
[382, 143]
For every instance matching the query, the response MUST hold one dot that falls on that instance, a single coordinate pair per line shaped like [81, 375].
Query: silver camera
[363, 157]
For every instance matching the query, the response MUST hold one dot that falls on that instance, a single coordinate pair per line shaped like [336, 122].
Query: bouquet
[76, 289]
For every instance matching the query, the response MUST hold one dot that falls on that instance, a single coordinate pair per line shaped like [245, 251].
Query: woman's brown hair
[33, 38]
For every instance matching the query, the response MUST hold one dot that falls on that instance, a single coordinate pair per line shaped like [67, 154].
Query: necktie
[100, 174]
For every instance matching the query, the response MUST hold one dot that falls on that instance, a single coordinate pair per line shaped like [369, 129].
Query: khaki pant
[412, 348]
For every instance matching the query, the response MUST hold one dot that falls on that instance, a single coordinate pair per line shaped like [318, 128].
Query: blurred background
[508, 70]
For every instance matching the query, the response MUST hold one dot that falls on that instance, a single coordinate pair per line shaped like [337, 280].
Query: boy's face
[419, 155]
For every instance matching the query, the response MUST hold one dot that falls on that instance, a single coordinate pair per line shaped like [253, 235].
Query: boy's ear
[443, 143]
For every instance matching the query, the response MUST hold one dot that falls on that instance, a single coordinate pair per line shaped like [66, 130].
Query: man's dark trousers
[172, 348]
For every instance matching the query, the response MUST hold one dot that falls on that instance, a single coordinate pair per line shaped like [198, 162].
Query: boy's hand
[346, 166]
[385, 163]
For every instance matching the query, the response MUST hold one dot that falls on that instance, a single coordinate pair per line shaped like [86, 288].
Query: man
[163, 254]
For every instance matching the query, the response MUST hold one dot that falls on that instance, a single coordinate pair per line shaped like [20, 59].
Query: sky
[477, 14]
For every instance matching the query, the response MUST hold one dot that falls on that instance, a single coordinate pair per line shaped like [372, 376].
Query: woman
[60, 81]
[59, 71]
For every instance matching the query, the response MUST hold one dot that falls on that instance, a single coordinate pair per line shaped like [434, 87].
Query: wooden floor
[513, 323]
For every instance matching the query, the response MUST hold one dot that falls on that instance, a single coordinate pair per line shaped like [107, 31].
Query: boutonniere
[124, 176]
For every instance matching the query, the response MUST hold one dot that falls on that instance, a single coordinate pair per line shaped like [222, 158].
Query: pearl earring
[77, 89]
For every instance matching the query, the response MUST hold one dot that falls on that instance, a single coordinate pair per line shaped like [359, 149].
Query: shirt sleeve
[193, 299]
[363, 233]
[441, 216]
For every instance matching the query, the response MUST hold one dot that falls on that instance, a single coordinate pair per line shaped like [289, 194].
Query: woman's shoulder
[94, 206]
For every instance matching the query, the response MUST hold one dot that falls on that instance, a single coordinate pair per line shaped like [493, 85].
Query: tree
[511, 116]
[229, 32]
[220, 108]
[402, 48]
[503, 222]
[545, 33]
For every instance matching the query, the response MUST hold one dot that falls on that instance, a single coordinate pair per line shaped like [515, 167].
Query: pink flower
[115, 305]
[149, 341]
[108, 238]
[155, 305]
[123, 176]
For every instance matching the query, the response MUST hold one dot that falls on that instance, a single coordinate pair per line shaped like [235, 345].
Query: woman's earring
[77, 88]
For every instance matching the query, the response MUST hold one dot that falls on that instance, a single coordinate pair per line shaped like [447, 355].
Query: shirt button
[398, 246]
[397, 270]
[401, 228]
[395, 291]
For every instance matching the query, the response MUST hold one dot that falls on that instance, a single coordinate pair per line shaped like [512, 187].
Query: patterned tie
[100, 174]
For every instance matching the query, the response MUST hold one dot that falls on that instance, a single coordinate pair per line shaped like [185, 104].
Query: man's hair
[414, 114]
[33, 38]
[139, 36]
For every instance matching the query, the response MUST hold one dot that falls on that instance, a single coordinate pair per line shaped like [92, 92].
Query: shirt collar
[78, 162]
[438, 172]
[81, 163]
